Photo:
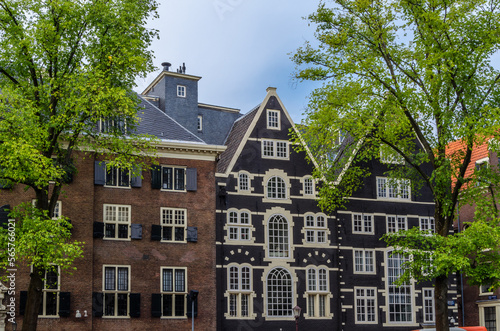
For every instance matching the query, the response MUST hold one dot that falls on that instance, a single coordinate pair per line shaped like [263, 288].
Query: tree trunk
[441, 301]
[33, 301]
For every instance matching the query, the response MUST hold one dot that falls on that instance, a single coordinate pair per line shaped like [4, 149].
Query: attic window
[200, 123]
[273, 119]
[181, 91]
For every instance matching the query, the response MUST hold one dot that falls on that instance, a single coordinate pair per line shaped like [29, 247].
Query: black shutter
[135, 305]
[98, 230]
[136, 181]
[97, 304]
[99, 173]
[156, 232]
[191, 179]
[4, 216]
[189, 306]
[136, 231]
[192, 234]
[156, 305]
[156, 177]
[22, 302]
[64, 304]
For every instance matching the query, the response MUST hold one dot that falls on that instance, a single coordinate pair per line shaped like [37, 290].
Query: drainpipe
[461, 274]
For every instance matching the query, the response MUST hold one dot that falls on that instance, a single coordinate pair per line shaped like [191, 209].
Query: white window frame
[363, 223]
[397, 224]
[115, 220]
[427, 224]
[173, 292]
[105, 124]
[173, 178]
[484, 162]
[399, 189]
[277, 308]
[57, 209]
[281, 244]
[273, 120]
[276, 191]
[317, 292]
[178, 220]
[363, 301]
[315, 228]
[199, 124]
[428, 304]
[46, 291]
[308, 186]
[402, 292]
[239, 225]
[181, 91]
[482, 314]
[244, 185]
[271, 148]
[116, 291]
[389, 156]
[363, 263]
[116, 174]
[239, 291]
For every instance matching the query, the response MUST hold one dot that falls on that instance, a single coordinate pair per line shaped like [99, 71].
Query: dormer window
[273, 119]
[200, 123]
[181, 91]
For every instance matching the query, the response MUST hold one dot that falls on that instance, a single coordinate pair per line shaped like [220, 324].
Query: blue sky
[238, 47]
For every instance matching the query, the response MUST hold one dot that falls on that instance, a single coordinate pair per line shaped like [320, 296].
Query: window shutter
[99, 173]
[156, 232]
[64, 304]
[4, 216]
[136, 181]
[189, 306]
[136, 231]
[97, 304]
[192, 234]
[156, 177]
[191, 179]
[22, 302]
[156, 305]
[98, 230]
[135, 305]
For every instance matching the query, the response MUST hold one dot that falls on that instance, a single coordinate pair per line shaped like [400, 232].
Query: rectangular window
[181, 91]
[116, 177]
[317, 298]
[400, 296]
[275, 149]
[173, 224]
[428, 298]
[240, 291]
[315, 229]
[364, 261]
[116, 221]
[240, 225]
[273, 119]
[200, 123]
[396, 224]
[173, 178]
[362, 223]
[173, 288]
[427, 224]
[366, 303]
[490, 318]
[308, 186]
[50, 293]
[396, 189]
[115, 124]
[116, 290]
[243, 182]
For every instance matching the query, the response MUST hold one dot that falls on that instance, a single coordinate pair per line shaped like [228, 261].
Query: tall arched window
[278, 236]
[279, 293]
[276, 188]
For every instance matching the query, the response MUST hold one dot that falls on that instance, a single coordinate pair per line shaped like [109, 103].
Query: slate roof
[155, 122]
[234, 138]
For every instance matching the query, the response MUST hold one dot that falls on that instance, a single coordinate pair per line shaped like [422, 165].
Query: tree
[66, 69]
[409, 77]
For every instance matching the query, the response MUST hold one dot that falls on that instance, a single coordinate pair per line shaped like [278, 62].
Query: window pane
[279, 289]
[167, 178]
[168, 304]
[168, 280]
[122, 304]
[167, 233]
[109, 278]
[122, 279]
[179, 280]
[278, 236]
[109, 304]
[122, 231]
[179, 305]
[179, 179]
[111, 176]
[179, 234]
[50, 303]
[123, 178]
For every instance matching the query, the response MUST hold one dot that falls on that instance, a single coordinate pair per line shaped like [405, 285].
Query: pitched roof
[155, 122]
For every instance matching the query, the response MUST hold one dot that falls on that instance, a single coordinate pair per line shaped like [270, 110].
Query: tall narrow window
[273, 119]
[174, 292]
[278, 236]
[428, 298]
[200, 123]
[490, 318]
[243, 182]
[116, 290]
[240, 291]
[365, 305]
[279, 293]
[317, 292]
[181, 91]
[400, 306]
[308, 186]
[50, 293]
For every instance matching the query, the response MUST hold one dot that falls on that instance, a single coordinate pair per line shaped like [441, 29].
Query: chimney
[166, 65]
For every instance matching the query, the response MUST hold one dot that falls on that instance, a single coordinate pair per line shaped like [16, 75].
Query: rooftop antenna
[166, 65]
[183, 68]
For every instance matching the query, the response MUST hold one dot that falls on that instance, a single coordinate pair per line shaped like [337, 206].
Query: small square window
[181, 91]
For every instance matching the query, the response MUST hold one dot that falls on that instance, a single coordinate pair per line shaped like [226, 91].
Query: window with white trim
[239, 225]
[50, 293]
[116, 124]
[173, 178]
[181, 91]
[399, 296]
[388, 155]
[173, 292]
[427, 224]
[173, 224]
[364, 261]
[57, 209]
[117, 177]
[243, 182]
[317, 292]
[488, 317]
[276, 149]
[397, 189]
[279, 293]
[315, 228]
[200, 123]
[428, 299]
[278, 236]
[366, 303]
[480, 166]
[485, 287]
[396, 223]
[116, 221]
[276, 188]
[362, 223]
[273, 119]
[240, 291]
[308, 186]
[116, 290]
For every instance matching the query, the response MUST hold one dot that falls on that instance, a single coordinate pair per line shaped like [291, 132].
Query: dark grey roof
[155, 122]
[240, 127]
